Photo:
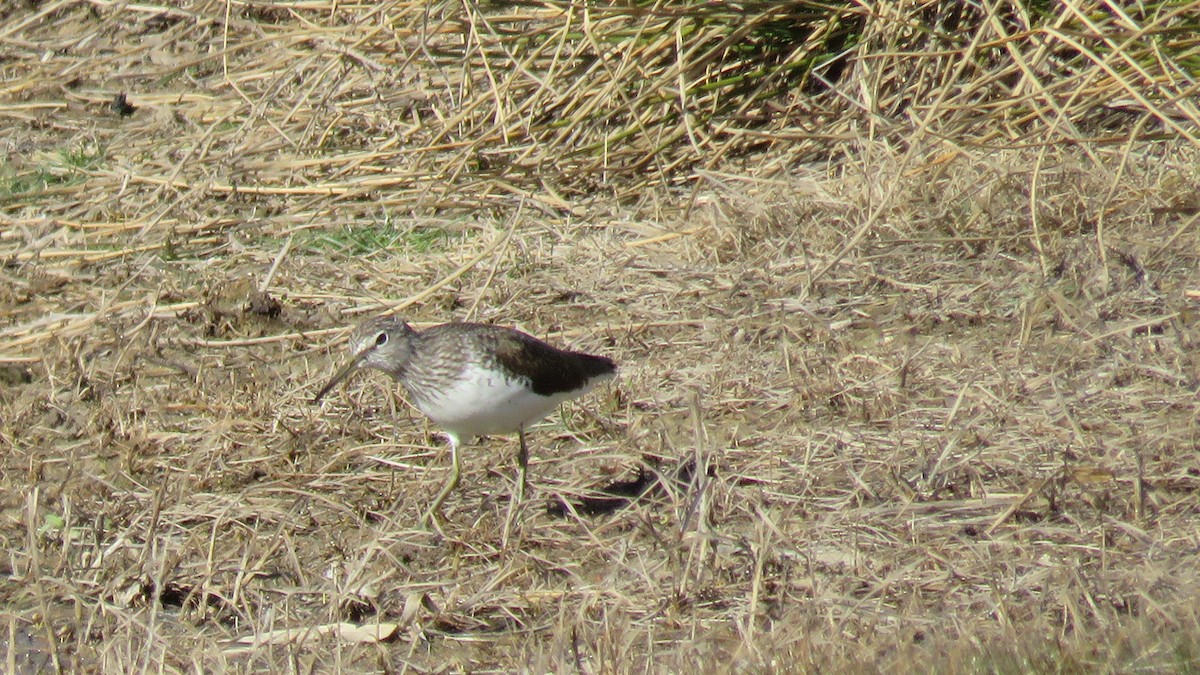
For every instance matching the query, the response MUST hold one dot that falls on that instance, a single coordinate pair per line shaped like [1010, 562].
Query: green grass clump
[64, 169]
[365, 241]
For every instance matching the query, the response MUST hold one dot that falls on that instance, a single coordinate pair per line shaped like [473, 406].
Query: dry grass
[939, 350]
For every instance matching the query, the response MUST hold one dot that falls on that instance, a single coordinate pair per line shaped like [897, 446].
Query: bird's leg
[522, 466]
[515, 502]
[435, 509]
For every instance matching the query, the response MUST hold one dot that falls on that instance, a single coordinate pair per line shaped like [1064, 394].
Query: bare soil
[943, 397]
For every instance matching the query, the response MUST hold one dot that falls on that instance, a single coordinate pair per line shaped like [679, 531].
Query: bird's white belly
[483, 401]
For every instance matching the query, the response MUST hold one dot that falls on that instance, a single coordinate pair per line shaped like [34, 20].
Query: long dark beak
[346, 371]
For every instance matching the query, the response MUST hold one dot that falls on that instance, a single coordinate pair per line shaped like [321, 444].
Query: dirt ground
[944, 399]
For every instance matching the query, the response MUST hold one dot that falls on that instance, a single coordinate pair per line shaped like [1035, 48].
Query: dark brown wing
[550, 370]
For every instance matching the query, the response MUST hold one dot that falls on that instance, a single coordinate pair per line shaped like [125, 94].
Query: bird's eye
[381, 339]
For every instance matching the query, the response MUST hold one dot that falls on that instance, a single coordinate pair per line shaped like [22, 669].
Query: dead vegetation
[918, 285]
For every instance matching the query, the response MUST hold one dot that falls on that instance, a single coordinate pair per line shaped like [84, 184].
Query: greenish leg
[522, 479]
[435, 509]
[522, 466]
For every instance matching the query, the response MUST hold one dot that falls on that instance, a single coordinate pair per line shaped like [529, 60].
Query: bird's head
[383, 343]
